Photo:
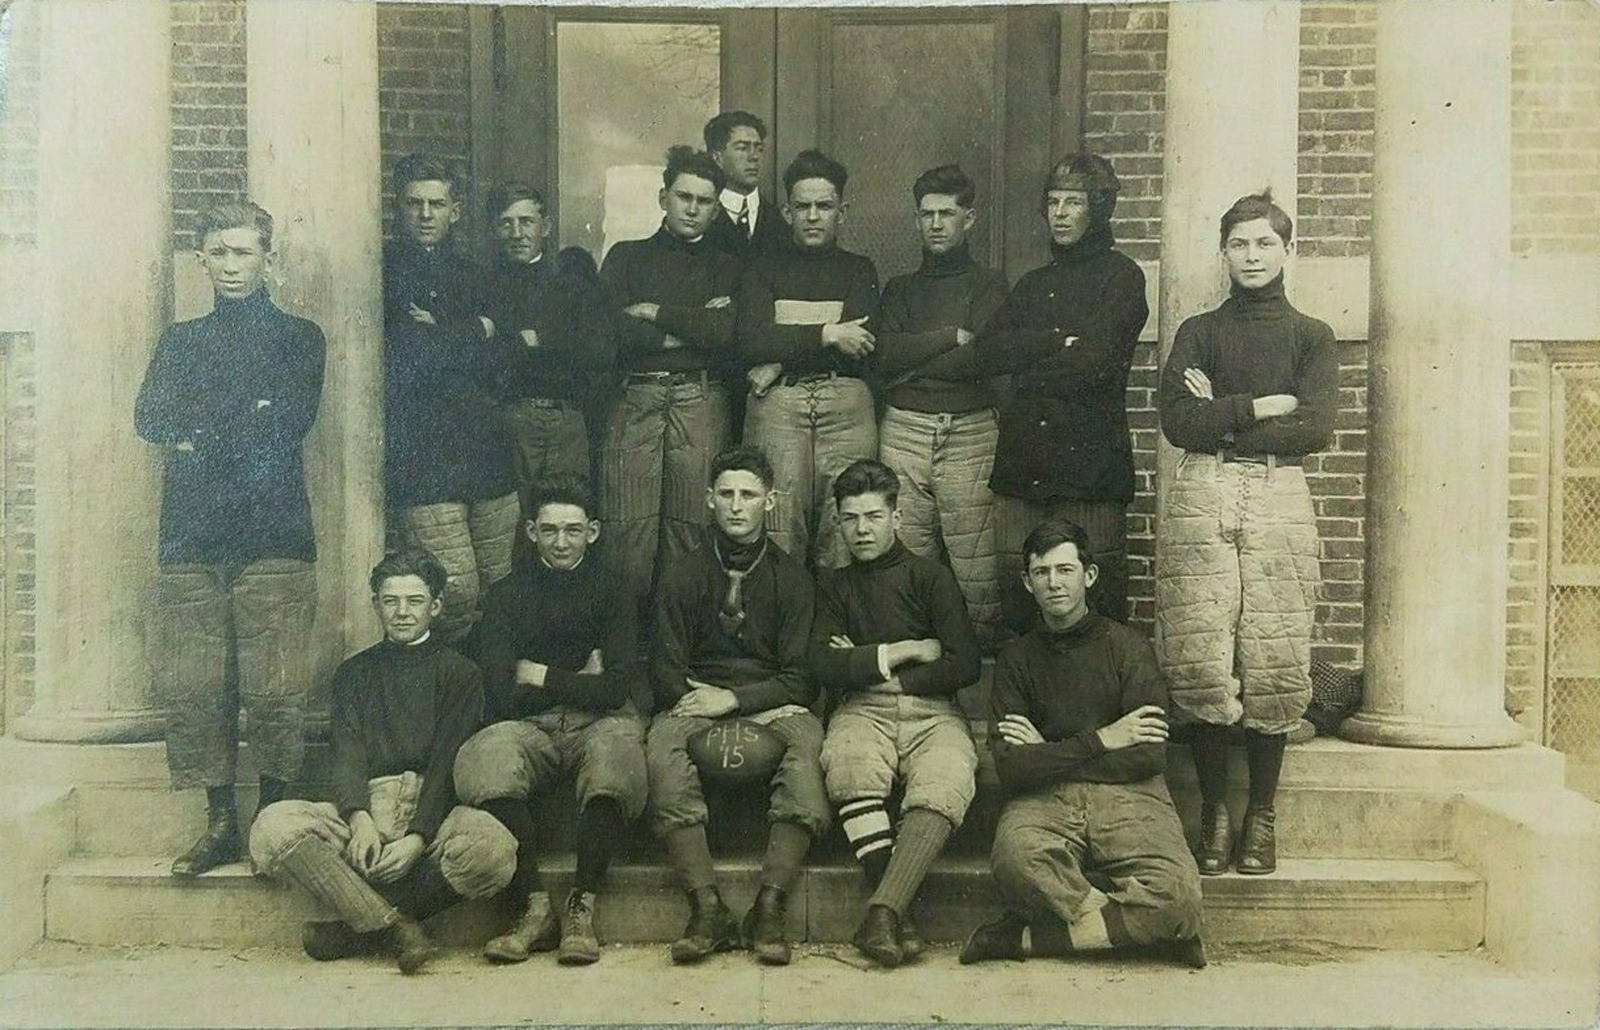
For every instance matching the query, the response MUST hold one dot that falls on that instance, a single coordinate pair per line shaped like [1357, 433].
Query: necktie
[744, 219]
[731, 615]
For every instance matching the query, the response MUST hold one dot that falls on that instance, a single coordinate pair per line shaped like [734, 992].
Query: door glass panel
[625, 92]
[907, 97]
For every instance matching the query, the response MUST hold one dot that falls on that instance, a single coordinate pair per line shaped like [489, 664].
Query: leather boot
[711, 928]
[999, 939]
[329, 941]
[1258, 845]
[878, 937]
[763, 927]
[1186, 951]
[412, 948]
[912, 943]
[535, 929]
[579, 945]
[1211, 854]
[220, 843]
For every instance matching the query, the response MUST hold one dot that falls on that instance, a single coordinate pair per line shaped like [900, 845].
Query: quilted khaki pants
[1236, 592]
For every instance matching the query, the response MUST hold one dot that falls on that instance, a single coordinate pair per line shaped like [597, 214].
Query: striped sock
[922, 836]
[866, 826]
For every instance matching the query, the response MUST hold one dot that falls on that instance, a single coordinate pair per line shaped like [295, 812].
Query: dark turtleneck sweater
[569, 316]
[1070, 683]
[766, 662]
[556, 618]
[1255, 344]
[788, 295]
[681, 277]
[1064, 431]
[399, 708]
[917, 354]
[446, 439]
[242, 386]
[896, 596]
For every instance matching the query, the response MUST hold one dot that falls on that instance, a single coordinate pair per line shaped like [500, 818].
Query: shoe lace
[578, 904]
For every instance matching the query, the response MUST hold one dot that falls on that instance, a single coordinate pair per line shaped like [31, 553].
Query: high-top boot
[763, 928]
[1258, 845]
[412, 947]
[878, 937]
[579, 945]
[535, 928]
[912, 943]
[711, 928]
[220, 843]
[1211, 854]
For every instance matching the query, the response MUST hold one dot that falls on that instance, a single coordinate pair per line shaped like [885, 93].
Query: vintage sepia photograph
[1081, 514]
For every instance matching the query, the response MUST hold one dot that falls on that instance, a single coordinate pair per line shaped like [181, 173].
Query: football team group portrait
[733, 510]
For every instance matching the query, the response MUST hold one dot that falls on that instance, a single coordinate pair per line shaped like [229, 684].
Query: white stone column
[1439, 379]
[104, 276]
[1232, 128]
[314, 163]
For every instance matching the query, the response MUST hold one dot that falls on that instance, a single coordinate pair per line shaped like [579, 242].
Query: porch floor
[70, 985]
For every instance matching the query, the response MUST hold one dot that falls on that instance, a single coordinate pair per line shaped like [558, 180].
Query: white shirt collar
[733, 202]
[421, 640]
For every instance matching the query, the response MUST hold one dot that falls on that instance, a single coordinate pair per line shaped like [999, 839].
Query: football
[736, 751]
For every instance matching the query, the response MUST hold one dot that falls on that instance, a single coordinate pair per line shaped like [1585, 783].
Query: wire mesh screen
[1572, 702]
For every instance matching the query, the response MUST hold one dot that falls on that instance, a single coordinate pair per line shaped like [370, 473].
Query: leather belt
[1269, 460]
[695, 375]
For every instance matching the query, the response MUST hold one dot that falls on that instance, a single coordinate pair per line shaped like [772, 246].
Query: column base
[118, 727]
[1409, 731]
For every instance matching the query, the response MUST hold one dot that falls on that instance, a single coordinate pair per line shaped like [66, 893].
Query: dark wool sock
[1048, 936]
[1209, 746]
[866, 826]
[273, 790]
[922, 836]
[787, 844]
[516, 815]
[1264, 752]
[219, 801]
[690, 856]
[600, 831]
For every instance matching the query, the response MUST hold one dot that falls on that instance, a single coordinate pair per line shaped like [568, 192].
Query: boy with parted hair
[940, 426]
[893, 640]
[1248, 391]
[559, 648]
[551, 327]
[231, 397]
[674, 337]
[732, 635]
[749, 224]
[804, 333]
[1089, 853]
[392, 847]
[449, 472]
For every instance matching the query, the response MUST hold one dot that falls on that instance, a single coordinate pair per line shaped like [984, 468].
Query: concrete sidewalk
[67, 985]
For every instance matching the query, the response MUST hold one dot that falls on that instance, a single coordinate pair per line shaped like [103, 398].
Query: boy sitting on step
[392, 848]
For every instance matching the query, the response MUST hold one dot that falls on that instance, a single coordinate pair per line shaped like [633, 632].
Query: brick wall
[17, 503]
[1529, 471]
[209, 158]
[1555, 127]
[1336, 111]
[1125, 86]
[424, 103]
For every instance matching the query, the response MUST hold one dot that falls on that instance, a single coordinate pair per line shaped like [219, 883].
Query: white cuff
[883, 661]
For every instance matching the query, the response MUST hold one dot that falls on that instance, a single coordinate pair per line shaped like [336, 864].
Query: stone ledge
[37, 829]
[1354, 903]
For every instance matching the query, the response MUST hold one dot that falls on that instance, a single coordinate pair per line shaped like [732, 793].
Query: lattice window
[1572, 707]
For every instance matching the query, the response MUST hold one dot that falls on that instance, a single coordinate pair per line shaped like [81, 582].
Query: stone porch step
[1379, 903]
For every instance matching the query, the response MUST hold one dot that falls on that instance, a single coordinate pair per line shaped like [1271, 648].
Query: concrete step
[1395, 904]
[36, 834]
[1312, 822]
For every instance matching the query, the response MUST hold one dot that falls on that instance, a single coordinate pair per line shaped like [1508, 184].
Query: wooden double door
[584, 102]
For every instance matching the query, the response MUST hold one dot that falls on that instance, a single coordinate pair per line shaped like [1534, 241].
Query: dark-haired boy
[392, 848]
[449, 472]
[551, 328]
[231, 396]
[1067, 332]
[1089, 853]
[749, 224]
[1248, 391]
[732, 634]
[940, 426]
[559, 650]
[675, 290]
[893, 640]
[804, 332]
